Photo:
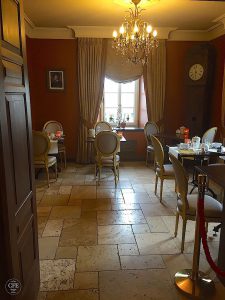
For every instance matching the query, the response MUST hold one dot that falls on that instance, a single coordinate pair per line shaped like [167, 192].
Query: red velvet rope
[201, 213]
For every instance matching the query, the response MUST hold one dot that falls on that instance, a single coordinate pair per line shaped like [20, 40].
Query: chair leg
[56, 171]
[118, 172]
[99, 174]
[115, 175]
[156, 183]
[206, 227]
[64, 159]
[183, 235]
[161, 189]
[47, 173]
[176, 225]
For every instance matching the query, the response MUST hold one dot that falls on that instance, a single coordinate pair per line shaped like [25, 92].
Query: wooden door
[18, 223]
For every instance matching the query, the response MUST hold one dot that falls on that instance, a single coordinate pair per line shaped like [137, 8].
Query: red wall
[44, 55]
[63, 106]
[219, 45]
[175, 89]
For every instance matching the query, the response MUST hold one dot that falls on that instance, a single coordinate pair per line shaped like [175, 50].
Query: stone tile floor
[98, 242]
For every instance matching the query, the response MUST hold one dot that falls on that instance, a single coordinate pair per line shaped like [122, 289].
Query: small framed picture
[56, 80]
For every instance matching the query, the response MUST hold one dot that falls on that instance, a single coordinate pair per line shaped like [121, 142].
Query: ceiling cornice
[169, 33]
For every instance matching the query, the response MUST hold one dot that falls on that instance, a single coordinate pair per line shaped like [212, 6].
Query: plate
[216, 145]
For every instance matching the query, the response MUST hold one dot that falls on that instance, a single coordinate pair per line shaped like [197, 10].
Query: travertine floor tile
[108, 193]
[156, 243]
[66, 252]
[156, 224]
[142, 262]
[57, 274]
[156, 209]
[73, 295]
[124, 206]
[53, 228]
[79, 232]
[137, 197]
[128, 249]
[140, 228]
[47, 247]
[65, 212]
[65, 189]
[96, 204]
[86, 280]
[115, 234]
[41, 225]
[83, 192]
[136, 285]
[54, 200]
[120, 217]
[97, 258]
[43, 211]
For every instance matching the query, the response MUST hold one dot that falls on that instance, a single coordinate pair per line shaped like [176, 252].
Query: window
[121, 102]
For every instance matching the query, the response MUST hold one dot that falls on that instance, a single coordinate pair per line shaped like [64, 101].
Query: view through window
[120, 102]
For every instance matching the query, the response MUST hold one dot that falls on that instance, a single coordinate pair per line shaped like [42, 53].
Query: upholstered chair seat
[187, 204]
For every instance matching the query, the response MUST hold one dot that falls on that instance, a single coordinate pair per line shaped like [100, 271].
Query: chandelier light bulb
[122, 30]
[149, 29]
[154, 33]
[115, 34]
[136, 29]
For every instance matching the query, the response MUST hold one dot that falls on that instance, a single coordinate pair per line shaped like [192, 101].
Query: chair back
[107, 143]
[41, 145]
[100, 126]
[158, 152]
[209, 135]
[150, 128]
[181, 177]
[52, 126]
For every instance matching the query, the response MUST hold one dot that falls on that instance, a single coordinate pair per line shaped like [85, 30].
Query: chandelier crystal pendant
[136, 38]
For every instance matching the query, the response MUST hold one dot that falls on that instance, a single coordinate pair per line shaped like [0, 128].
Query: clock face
[196, 72]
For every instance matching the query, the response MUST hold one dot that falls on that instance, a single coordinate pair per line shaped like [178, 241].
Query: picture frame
[56, 80]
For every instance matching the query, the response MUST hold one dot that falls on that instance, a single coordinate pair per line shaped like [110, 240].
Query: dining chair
[187, 204]
[162, 171]
[209, 135]
[42, 160]
[107, 145]
[150, 128]
[102, 125]
[52, 127]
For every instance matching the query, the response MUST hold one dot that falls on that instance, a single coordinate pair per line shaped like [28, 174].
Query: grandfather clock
[199, 66]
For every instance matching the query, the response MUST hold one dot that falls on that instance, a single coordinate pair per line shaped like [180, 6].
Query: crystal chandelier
[136, 38]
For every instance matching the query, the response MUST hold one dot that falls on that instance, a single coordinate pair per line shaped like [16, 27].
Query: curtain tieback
[87, 123]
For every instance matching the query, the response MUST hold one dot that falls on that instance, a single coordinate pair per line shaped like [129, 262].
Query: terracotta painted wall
[45, 55]
[63, 106]
[175, 89]
[219, 45]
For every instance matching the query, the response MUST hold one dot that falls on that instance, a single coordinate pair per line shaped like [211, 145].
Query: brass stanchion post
[193, 282]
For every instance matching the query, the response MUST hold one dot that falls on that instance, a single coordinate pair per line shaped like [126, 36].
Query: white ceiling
[182, 14]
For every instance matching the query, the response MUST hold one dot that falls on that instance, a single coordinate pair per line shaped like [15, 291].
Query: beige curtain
[223, 109]
[118, 68]
[91, 74]
[155, 84]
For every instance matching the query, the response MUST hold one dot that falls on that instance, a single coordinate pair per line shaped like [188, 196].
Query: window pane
[128, 113]
[111, 100]
[111, 86]
[127, 99]
[110, 115]
[128, 87]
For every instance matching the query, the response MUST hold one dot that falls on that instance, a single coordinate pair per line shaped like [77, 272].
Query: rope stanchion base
[201, 287]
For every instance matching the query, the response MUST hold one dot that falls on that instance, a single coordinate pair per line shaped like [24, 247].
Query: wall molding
[169, 33]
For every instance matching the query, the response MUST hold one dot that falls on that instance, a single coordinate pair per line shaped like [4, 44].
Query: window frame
[119, 93]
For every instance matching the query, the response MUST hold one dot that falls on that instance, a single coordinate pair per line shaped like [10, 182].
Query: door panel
[18, 221]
